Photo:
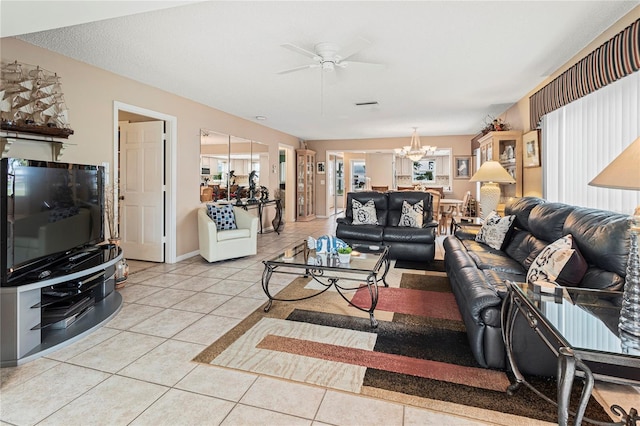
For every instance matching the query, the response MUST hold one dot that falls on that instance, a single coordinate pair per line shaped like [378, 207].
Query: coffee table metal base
[328, 280]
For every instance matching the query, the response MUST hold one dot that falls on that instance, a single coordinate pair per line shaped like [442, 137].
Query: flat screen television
[48, 210]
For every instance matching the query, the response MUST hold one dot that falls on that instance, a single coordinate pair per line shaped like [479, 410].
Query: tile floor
[137, 369]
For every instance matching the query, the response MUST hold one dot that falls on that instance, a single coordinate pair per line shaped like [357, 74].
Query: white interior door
[142, 190]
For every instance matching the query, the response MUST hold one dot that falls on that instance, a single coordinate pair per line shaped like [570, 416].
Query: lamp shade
[492, 171]
[623, 172]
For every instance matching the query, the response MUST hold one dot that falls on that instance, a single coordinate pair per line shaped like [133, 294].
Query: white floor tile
[35, 399]
[166, 364]
[217, 382]
[286, 397]
[116, 401]
[117, 352]
[177, 407]
[167, 323]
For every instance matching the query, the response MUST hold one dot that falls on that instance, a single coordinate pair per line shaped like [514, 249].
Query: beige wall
[518, 115]
[90, 93]
[460, 145]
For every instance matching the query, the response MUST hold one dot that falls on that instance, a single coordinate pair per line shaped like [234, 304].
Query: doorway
[164, 161]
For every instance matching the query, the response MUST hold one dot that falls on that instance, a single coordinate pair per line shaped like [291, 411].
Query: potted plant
[344, 254]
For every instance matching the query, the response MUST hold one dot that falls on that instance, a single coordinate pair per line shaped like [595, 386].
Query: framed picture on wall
[531, 143]
[321, 166]
[462, 165]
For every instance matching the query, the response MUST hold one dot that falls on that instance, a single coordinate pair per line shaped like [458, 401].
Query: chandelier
[415, 151]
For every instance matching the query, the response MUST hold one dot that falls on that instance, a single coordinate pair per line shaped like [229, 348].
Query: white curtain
[583, 137]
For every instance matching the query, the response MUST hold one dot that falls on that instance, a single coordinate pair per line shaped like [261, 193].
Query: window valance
[617, 58]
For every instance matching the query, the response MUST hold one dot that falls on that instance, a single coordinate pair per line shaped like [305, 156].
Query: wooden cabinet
[404, 167]
[506, 148]
[305, 184]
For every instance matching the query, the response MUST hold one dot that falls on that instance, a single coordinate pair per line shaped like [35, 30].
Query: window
[583, 137]
[358, 175]
[424, 171]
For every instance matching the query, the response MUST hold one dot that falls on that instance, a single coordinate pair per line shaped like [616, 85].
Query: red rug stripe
[433, 304]
[470, 376]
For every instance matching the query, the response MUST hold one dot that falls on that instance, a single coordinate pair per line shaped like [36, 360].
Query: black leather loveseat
[477, 272]
[406, 243]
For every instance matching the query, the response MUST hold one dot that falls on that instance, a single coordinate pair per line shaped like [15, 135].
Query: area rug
[418, 355]
[436, 265]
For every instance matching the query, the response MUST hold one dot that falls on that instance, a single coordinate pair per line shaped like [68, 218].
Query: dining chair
[435, 203]
[380, 188]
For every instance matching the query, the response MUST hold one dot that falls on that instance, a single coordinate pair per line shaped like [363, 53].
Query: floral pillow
[364, 214]
[412, 214]
[223, 216]
[494, 230]
[560, 262]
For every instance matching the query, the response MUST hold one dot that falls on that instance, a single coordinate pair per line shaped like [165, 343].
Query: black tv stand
[26, 330]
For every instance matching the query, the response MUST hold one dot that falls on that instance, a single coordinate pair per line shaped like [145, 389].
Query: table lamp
[624, 173]
[492, 174]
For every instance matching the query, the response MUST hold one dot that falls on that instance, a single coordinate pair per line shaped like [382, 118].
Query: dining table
[450, 205]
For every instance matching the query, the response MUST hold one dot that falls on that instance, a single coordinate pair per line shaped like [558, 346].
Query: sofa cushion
[364, 214]
[494, 230]
[380, 199]
[603, 237]
[497, 261]
[524, 247]
[521, 208]
[560, 262]
[223, 216]
[397, 199]
[546, 221]
[412, 214]
[350, 233]
[403, 234]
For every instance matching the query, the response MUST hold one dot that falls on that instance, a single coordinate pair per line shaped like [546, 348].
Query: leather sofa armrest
[344, 221]
[432, 224]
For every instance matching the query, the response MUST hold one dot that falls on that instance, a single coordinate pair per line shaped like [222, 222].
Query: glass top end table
[604, 353]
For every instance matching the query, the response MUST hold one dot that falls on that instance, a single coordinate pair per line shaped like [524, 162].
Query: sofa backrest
[601, 236]
[380, 199]
[396, 198]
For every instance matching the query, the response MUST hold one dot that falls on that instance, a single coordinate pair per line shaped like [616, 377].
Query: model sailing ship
[32, 101]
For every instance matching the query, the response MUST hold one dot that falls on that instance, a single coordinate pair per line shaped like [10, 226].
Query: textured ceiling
[448, 64]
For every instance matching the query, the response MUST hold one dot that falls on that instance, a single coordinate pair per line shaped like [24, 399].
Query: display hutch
[305, 197]
[506, 148]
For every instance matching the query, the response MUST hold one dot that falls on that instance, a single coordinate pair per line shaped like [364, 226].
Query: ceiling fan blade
[303, 67]
[344, 64]
[359, 44]
[301, 51]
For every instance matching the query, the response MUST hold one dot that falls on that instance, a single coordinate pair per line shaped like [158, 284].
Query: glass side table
[604, 352]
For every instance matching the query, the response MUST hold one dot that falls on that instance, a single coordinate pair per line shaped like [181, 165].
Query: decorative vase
[344, 258]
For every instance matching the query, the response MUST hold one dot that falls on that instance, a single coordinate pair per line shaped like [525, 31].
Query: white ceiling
[448, 64]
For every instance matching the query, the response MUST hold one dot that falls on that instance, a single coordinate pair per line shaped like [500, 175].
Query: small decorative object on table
[344, 254]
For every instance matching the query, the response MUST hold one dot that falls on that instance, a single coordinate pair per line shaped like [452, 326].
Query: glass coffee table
[366, 269]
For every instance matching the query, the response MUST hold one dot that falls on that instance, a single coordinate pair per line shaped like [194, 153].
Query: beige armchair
[220, 245]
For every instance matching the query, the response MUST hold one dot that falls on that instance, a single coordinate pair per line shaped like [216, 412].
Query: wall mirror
[226, 164]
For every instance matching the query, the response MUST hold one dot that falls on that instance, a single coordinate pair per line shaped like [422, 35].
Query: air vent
[366, 103]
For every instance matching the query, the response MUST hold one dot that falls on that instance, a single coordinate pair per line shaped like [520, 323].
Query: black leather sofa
[406, 243]
[477, 273]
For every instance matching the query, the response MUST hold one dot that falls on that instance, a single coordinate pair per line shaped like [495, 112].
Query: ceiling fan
[328, 56]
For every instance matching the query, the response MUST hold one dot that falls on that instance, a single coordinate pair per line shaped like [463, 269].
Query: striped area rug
[418, 355]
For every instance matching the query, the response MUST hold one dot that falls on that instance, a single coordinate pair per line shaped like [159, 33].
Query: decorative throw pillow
[223, 216]
[411, 214]
[364, 214]
[494, 230]
[560, 262]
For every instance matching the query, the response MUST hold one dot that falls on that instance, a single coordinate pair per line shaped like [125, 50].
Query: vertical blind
[582, 138]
